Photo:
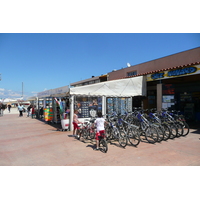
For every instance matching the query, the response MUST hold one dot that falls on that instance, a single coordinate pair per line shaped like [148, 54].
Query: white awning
[129, 87]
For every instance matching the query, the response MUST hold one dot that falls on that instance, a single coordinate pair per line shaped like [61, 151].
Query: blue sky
[50, 45]
[47, 61]
[51, 60]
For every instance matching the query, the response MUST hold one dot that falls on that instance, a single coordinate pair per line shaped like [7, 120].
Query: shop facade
[176, 89]
[172, 82]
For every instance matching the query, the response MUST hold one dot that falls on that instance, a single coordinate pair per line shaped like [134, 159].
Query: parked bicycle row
[131, 128]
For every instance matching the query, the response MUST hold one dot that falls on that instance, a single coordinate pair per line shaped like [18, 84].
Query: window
[91, 82]
[88, 106]
[132, 73]
[118, 105]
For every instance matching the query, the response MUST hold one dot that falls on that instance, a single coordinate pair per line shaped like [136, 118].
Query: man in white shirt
[20, 108]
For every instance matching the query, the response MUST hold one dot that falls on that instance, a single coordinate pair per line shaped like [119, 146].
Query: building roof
[164, 69]
[89, 79]
[85, 80]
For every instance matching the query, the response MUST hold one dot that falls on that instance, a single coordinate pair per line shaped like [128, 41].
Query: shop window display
[88, 106]
[118, 105]
[61, 109]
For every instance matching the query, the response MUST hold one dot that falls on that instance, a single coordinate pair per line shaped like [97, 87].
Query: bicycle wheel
[133, 136]
[160, 133]
[122, 138]
[186, 129]
[173, 131]
[108, 132]
[179, 129]
[151, 134]
[92, 133]
[167, 131]
[84, 134]
[103, 146]
[78, 134]
[143, 126]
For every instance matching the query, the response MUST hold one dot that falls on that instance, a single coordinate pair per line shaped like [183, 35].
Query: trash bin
[65, 124]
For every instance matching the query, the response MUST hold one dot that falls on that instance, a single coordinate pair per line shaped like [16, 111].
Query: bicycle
[165, 131]
[80, 131]
[149, 130]
[90, 130]
[180, 119]
[131, 131]
[133, 134]
[113, 132]
[103, 146]
[176, 128]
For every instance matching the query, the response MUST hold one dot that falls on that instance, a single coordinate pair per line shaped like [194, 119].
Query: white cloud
[9, 93]
[4, 93]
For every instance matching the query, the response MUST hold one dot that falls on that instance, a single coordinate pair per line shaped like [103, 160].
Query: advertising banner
[186, 71]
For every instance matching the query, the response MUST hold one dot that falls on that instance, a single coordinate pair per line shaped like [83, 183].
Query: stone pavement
[12, 111]
[31, 142]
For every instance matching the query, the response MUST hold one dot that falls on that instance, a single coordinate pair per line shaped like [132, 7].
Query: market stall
[106, 97]
[55, 103]
[44, 103]
[60, 103]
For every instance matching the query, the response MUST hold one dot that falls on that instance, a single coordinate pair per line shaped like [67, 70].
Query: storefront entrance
[180, 93]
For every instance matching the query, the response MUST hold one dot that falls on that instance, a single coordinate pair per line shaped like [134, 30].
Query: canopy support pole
[103, 105]
[71, 100]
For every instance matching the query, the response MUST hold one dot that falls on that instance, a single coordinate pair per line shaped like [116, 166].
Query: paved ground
[30, 142]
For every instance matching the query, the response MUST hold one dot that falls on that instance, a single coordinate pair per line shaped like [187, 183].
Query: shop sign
[184, 71]
[174, 73]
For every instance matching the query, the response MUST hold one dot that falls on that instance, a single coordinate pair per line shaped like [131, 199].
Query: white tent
[129, 87]
[8, 100]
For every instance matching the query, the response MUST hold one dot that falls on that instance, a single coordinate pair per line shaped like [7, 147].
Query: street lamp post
[22, 89]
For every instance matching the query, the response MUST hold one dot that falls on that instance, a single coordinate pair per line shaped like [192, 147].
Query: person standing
[28, 110]
[20, 108]
[41, 112]
[100, 121]
[1, 109]
[75, 123]
[33, 111]
[9, 107]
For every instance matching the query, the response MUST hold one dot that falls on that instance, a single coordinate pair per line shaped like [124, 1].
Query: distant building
[89, 81]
